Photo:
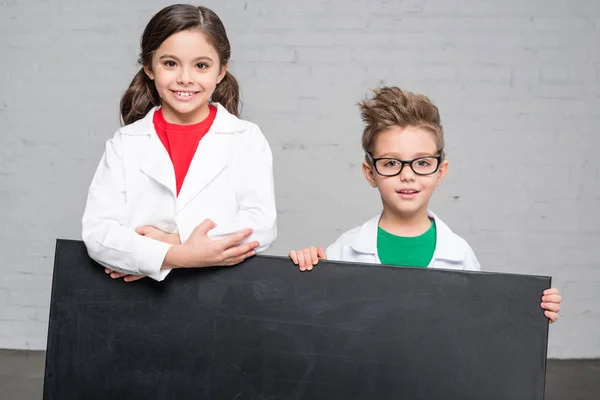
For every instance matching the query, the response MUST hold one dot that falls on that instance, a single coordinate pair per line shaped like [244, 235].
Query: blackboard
[264, 330]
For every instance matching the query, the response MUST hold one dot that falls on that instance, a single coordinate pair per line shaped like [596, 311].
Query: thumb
[204, 227]
[142, 230]
[321, 253]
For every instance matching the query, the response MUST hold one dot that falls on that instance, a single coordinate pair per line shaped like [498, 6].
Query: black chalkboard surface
[264, 330]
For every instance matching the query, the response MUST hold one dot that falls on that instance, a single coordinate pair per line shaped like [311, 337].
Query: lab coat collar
[447, 246]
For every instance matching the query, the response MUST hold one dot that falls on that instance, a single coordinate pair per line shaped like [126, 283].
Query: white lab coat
[360, 245]
[230, 181]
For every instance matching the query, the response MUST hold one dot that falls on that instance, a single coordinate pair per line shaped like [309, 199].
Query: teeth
[185, 94]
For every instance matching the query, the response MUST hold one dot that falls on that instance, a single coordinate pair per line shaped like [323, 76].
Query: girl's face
[186, 70]
[407, 194]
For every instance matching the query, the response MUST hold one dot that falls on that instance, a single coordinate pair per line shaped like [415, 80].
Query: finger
[107, 271]
[321, 253]
[141, 230]
[314, 257]
[293, 256]
[307, 260]
[204, 227]
[150, 230]
[235, 238]
[239, 259]
[553, 298]
[550, 291]
[238, 250]
[133, 278]
[301, 264]
[552, 316]
[117, 275]
[551, 306]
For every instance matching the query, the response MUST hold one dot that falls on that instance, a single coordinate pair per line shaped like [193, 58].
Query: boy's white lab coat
[230, 181]
[360, 245]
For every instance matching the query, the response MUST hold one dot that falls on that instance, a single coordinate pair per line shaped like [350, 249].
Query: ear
[442, 171]
[149, 72]
[222, 73]
[369, 173]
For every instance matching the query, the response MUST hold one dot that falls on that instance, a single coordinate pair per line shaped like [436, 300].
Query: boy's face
[406, 194]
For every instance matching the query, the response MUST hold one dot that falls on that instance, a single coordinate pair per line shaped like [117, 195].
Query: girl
[185, 183]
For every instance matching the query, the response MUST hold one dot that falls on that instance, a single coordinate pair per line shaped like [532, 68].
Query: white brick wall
[518, 83]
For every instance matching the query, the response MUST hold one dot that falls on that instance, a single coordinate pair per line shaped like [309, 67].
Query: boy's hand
[551, 304]
[305, 259]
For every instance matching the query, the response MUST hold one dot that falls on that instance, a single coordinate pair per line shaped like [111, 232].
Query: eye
[423, 163]
[201, 66]
[390, 163]
[169, 64]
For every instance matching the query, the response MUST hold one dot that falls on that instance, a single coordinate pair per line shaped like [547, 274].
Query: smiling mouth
[407, 191]
[184, 94]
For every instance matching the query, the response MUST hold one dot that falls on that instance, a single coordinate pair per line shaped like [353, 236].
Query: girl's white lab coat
[360, 245]
[230, 181]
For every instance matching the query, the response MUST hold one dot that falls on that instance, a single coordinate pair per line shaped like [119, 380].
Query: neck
[404, 224]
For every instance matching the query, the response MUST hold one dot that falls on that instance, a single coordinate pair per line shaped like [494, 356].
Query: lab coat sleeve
[255, 193]
[471, 263]
[108, 239]
[334, 252]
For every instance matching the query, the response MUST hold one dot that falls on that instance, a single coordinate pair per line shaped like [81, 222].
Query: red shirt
[181, 141]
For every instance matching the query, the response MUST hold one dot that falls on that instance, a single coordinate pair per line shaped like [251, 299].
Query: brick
[562, 23]
[554, 73]
[567, 91]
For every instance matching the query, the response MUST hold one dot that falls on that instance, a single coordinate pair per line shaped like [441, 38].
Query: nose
[184, 76]
[406, 173]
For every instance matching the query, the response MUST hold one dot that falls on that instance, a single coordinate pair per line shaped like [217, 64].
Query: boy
[404, 145]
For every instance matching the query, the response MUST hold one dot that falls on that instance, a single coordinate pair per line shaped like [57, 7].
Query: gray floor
[22, 377]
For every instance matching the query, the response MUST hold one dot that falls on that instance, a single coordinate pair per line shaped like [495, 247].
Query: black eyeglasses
[392, 166]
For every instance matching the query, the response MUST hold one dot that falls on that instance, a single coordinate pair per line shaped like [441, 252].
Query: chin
[185, 109]
[185, 112]
[406, 209]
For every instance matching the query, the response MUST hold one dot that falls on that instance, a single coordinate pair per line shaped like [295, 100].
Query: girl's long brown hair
[141, 95]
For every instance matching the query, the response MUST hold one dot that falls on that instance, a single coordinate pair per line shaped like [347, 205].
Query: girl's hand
[127, 277]
[551, 304]
[199, 250]
[157, 234]
[153, 233]
[305, 259]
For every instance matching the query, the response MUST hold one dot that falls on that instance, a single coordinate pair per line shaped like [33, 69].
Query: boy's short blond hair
[391, 107]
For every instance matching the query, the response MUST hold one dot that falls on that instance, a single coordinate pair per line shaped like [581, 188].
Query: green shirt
[406, 251]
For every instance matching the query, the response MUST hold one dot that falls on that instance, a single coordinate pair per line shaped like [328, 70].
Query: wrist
[174, 239]
[177, 257]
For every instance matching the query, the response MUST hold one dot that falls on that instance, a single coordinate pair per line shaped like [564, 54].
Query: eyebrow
[207, 58]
